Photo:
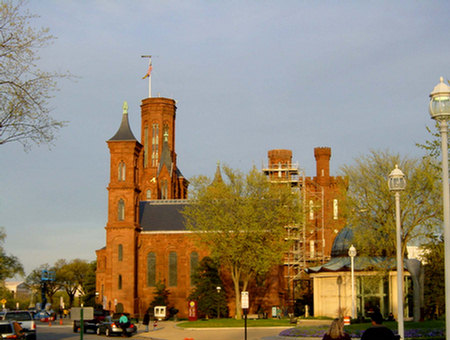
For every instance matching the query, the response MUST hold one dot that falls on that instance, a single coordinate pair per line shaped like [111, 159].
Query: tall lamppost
[397, 183]
[352, 254]
[440, 111]
[218, 301]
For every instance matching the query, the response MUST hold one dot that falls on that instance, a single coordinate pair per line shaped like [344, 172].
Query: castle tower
[323, 156]
[122, 228]
[161, 178]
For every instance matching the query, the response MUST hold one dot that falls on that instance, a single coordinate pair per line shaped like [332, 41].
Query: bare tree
[25, 90]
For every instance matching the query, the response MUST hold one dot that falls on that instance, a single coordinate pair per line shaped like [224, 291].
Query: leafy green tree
[242, 222]
[370, 206]
[25, 90]
[434, 278]
[34, 281]
[72, 276]
[89, 285]
[206, 280]
[161, 297]
[9, 264]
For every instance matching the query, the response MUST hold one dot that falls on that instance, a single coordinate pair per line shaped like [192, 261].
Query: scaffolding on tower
[308, 236]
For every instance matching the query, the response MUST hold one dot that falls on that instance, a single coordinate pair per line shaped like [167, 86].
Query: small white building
[374, 288]
[19, 289]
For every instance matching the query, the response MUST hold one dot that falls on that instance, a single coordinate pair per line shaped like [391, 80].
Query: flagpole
[149, 74]
[150, 79]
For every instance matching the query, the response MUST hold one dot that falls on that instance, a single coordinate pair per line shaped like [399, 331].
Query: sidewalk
[167, 330]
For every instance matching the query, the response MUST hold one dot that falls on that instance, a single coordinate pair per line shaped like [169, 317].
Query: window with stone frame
[120, 252]
[155, 144]
[193, 265]
[121, 171]
[173, 269]
[151, 269]
[121, 210]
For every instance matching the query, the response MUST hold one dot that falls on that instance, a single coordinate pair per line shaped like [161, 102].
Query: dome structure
[342, 243]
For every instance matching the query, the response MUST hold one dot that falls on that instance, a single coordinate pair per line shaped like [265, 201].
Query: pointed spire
[124, 132]
[218, 175]
[166, 158]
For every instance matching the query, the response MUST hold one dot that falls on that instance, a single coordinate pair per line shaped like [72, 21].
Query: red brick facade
[145, 245]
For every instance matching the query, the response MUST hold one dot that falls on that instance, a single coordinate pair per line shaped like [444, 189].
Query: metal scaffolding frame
[307, 237]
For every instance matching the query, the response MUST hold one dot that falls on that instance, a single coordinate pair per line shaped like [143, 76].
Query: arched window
[173, 268]
[194, 265]
[120, 252]
[149, 195]
[155, 144]
[121, 210]
[335, 209]
[151, 269]
[164, 190]
[121, 171]
[145, 146]
[119, 283]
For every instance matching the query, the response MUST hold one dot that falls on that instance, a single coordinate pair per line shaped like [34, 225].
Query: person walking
[336, 331]
[146, 319]
[377, 330]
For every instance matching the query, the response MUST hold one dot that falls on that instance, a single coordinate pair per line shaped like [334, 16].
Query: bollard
[346, 320]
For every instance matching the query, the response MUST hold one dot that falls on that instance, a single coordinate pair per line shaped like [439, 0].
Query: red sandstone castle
[146, 240]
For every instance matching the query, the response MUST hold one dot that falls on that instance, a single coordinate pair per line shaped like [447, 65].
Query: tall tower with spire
[140, 173]
[122, 228]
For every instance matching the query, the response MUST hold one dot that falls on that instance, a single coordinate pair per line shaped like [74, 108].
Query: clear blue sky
[249, 76]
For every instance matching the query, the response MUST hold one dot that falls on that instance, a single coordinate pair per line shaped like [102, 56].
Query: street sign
[88, 313]
[244, 300]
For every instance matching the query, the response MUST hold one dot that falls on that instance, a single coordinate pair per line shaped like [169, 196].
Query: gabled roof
[124, 133]
[162, 215]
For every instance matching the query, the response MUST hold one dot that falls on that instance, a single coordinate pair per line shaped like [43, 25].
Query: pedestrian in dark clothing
[146, 319]
[336, 331]
[378, 331]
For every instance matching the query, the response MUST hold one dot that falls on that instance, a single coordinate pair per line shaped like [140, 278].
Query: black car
[99, 316]
[110, 326]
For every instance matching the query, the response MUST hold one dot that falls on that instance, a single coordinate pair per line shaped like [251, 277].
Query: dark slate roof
[124, 133]
[162, 215]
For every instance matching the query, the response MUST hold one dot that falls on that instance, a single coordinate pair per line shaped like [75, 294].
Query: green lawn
[413, 330]
[235, 323]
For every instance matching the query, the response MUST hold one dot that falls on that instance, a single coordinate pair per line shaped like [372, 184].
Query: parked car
[24, 318]
[99, 316]
[11, 330]
[110, 326]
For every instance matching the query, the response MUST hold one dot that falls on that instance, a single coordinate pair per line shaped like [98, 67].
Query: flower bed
[429, 334]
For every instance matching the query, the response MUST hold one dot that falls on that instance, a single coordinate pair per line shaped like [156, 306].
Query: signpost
[81, 314]
[244, 305]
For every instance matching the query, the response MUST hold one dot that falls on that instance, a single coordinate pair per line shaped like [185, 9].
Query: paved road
[166, 330]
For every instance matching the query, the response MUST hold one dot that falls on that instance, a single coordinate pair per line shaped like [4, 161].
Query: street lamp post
[397, 183]
[440, 111]
[218, 301]
[352, 254]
